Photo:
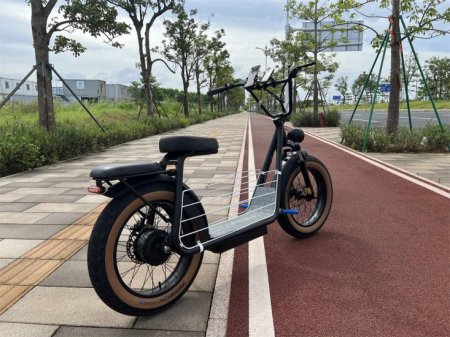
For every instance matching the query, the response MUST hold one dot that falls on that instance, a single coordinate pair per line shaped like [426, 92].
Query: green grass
[422, 105]
[25, 145]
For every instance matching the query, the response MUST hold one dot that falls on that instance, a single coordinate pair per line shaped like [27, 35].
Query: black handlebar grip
[216, 91]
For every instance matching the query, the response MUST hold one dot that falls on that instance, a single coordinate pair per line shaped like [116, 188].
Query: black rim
[137, 276]
[309, 209]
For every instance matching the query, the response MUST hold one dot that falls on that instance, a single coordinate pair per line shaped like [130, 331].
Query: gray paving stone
[93, 199]
[70, 274]
[78, 191]
[15, 206]
[81, 255]
[75, 184]
[190, 313]
[61, 208]
[19, 217]
[65, 306]
[49, 190]
[206, 278]
[30, 185]
[5, 262]
[20, 231]
[4, 190]
[14, 248]
[63, 198]
[67, 331]
[26, 330]
[60, 218]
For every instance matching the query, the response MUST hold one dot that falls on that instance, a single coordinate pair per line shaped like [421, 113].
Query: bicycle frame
[276, 147]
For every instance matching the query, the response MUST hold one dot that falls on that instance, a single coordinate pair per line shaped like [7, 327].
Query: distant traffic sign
[385, 87]
[337, 98]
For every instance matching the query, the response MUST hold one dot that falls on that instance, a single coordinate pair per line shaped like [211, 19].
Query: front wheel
[129, 264]
[313, 209]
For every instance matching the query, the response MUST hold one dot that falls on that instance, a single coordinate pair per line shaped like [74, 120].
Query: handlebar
[224, 88]
[254, 85]
[294, 72]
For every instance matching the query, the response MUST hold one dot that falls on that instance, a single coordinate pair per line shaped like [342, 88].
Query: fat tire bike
[147, 245]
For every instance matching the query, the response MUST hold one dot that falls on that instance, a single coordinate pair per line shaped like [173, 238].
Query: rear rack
[224, 220]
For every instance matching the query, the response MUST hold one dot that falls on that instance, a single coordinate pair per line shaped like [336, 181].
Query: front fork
[302, 162]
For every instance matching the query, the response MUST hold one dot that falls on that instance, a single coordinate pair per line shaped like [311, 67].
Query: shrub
[306, 119]
[333, 118]
[18, 153]
[404, 141]
[352, 136]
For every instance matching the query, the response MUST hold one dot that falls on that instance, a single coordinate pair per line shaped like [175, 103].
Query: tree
[182, 47]
[205, 47]
[437, 74]
[412, 74]
[138, 94]
[137, 11]
[217, 65]
[424, 21]
[94, 17]
[319, 15]
[342, 86]
[358, 84]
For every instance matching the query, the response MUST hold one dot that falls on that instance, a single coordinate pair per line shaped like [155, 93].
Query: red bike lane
[378, 267]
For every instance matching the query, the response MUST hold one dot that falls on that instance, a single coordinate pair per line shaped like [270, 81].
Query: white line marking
[364, 120]
[259, 303]
[218, 316]
[384, 167]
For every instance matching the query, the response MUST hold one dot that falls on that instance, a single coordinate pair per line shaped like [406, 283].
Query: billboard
[347, 37]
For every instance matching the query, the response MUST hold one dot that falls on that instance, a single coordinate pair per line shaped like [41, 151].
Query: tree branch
[165, 63]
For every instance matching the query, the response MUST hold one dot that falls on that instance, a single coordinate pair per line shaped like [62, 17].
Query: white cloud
[248, 24]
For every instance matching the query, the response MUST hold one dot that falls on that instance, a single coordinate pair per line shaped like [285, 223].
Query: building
[88, 90]
[117, 92]
[26, 93]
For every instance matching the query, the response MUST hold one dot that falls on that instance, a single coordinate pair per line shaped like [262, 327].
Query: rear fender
[194, 211]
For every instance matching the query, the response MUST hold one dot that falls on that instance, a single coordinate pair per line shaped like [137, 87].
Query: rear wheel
[313, 208]
[130, 266]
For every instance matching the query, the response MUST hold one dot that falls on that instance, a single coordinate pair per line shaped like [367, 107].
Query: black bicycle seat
[188, 145]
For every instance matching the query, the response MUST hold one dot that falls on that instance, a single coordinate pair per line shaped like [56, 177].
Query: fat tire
[106, 282]
[324, 193]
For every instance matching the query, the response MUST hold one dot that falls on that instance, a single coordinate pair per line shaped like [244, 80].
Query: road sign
[337, 98]
[385, 87]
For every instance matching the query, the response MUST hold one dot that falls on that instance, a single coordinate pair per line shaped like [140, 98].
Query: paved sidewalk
[433, 166]
[45, 222]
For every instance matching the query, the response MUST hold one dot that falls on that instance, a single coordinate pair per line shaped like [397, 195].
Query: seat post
[178, 199]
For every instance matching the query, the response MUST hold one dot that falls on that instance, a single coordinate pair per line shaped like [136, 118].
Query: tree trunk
[316, 70]
[186, 93]
[394, 95]
[44, 74]
[199, 95]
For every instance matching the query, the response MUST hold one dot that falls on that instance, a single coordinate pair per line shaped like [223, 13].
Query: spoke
[126, 272]
[146, 277]
[135, 271]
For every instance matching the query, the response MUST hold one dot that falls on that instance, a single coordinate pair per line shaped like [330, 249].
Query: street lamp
[266, 53]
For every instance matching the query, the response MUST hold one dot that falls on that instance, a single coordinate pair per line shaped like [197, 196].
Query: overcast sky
[248, 24]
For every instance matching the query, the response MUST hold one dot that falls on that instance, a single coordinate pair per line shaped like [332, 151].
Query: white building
[26, 93]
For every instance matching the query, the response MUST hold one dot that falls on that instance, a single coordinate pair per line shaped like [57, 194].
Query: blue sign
[337, 98]
[385, 87]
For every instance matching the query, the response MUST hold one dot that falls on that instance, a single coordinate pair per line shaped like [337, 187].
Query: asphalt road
[418, 118]
[379, 266]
